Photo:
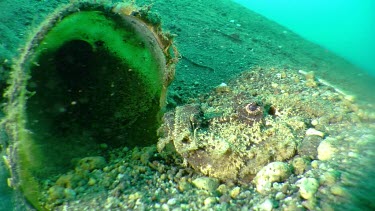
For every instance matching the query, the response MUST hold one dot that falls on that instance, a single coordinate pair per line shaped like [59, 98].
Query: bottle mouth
[90, 77]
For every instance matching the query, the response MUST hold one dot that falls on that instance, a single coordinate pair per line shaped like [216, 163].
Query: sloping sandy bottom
[332, 136]
[218, 40]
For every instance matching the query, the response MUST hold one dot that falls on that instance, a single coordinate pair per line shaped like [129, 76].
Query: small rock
[222, 189]
[69, 193]
[157, 206]
[234, 192]
[314, 122]
[326, 150]
[183, 186]
[279, 196]
[273, 172]
[310, 75]
[329, 177]
[274, 85]
[310, 204]
[206, 183]
[172, 201]
[135, 196]
[91, 163]
[292, 204]
[165, 207]
[55, 192]
[209, 201]
[283, 74]
[311, 83]
[267, 205]
[104, 146]
[307, 187]
[315, 164]
[91, 182]
[224, 199]
[314, 132]
[69, 180]
[337, 190]
[222, 88]
[299, 165]
[284, 188]
[308, 147]
[350, 98]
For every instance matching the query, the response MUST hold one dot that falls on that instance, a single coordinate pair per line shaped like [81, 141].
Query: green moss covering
[119, 37]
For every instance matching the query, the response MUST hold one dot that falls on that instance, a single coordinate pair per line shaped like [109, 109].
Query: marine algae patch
[91, 77]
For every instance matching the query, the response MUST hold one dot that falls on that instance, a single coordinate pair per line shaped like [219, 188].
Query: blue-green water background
[345, 27]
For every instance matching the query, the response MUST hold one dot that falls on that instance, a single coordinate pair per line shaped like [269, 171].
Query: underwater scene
[183, 105]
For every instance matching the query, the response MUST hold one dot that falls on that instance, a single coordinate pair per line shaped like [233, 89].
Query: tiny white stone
[326, 150]
[279, 196]
[172, 201]
[222, 84]
[210, 200]
[267, 205]
[206, 183]
[314, 132]
[157, 206]
[314, 122]
[165, 207]
[234, 192]
[273, 172]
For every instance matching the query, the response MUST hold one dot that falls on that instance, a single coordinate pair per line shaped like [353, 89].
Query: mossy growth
[85, 79]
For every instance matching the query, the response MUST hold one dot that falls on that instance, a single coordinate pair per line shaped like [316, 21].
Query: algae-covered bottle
[91, 75]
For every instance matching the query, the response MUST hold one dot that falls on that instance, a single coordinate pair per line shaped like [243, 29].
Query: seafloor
[317, 130]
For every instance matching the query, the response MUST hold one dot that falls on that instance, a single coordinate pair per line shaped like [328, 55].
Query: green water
[346, 28]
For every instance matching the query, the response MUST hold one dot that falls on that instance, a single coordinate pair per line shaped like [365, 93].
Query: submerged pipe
[91, 75]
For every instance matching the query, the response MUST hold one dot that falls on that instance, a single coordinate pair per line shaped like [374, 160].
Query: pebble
[329, 178]
[310, 75]
[310, 204]
[314, 122]
[222, 88]
[135, 196]
[172, 201]
[314, 132]
[206, 183]
[165, 207]
[299, 165]
[273, 172]
[69, 193]
[91, 182]
[308, 147]
[209, 201]
[267, 205]
[234, 192]
[222, 189]
[91, 163]
[104, 146]
[326, 150]
[315, 164]
[274, 85]
[279, 196]
[337, 190]
[307, 187]
[55, 192]
[183, 186]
